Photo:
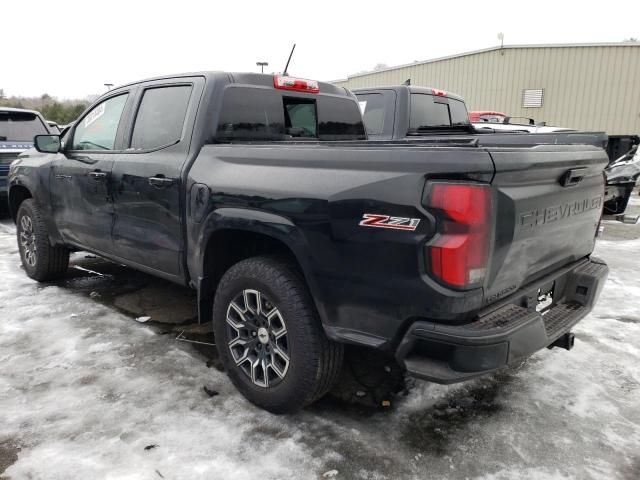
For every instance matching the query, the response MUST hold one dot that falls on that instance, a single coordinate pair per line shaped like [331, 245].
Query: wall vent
[532, 98]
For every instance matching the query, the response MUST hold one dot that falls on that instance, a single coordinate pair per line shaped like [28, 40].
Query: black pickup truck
[301, 236]
[405, 112]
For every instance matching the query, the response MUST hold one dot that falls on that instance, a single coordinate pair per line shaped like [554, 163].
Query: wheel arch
[17, 195]
[231, 235]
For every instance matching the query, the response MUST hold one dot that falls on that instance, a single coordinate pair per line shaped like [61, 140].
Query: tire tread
[52, 261]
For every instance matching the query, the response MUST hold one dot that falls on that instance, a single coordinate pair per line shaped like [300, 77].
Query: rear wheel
[270, 338]
[40, 259]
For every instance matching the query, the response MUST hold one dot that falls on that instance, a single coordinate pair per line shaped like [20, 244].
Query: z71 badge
[385, 221]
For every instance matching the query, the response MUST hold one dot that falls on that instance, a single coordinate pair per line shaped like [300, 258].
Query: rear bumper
[504, 333]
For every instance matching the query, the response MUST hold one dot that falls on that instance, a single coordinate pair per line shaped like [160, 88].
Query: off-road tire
[315, 361]
[44, 262]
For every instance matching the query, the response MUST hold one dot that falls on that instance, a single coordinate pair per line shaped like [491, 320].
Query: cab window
[160, 117]
[252, 113]
[428, 111]
[373, 110]
[97, 130]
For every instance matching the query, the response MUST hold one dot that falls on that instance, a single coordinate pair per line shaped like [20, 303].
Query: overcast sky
[71, 48]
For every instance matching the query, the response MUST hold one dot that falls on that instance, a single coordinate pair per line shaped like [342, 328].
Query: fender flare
[38, 188]
[278, 227]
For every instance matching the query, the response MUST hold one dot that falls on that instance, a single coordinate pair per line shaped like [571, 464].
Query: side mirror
[47, 143]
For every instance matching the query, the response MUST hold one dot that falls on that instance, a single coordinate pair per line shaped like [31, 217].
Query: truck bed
[321, 190]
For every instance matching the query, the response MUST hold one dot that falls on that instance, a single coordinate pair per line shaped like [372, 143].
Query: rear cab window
[432, 112]
[160, 118]
[259, 113]
[16, 126]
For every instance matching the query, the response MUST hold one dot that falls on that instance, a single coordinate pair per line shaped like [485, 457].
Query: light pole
[109, 86]
[262, 65]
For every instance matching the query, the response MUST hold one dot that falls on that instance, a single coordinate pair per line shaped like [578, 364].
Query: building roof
[491, 49]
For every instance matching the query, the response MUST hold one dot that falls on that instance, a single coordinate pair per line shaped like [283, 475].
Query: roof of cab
[248, 78]
[411, 89]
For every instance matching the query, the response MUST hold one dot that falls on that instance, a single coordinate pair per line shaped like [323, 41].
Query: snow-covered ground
[87, 392]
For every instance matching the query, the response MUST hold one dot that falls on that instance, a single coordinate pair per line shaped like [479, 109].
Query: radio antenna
[287, 65]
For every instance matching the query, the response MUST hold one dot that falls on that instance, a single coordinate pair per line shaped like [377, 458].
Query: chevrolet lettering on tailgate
[534, 218]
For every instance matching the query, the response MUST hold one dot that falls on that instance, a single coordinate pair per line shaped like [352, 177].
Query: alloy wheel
[257, 338]
[28, 240]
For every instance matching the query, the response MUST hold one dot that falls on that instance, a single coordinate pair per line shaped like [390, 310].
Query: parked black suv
[17, 129]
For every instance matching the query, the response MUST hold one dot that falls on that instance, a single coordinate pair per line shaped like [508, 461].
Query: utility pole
[109, 86]
[262, 65]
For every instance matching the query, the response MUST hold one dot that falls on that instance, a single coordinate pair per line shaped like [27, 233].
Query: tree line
[60, 111]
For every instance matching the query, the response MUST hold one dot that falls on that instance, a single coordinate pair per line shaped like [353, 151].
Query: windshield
[20, 126]
[430, 112]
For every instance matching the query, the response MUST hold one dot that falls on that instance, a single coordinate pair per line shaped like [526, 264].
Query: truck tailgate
[548, 205]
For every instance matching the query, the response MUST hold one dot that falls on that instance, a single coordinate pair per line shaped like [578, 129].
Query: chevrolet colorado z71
[300, 236]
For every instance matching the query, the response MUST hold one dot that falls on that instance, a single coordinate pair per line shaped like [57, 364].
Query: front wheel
[40, 259]
[269, 336]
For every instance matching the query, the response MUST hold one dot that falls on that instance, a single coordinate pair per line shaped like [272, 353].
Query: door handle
[98, 176]
[160, 181]
[63, 177]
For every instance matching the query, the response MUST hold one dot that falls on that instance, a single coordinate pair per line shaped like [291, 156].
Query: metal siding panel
[573, 105]
[626, 82]
[562, 80]
[600, 96]
[633, 125]
[610, 86]
[594, 102]
[518, 84]
[550, 83]
[501, 77]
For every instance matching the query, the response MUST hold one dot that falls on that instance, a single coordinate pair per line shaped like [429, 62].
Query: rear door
[81, 187]
[548, 205]
[147, 177]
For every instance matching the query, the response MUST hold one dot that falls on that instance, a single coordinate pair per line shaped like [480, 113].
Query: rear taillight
[459, 253]
[296, 84]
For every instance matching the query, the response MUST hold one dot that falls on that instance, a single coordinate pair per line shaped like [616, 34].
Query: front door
[81, 183]
[147, 182]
